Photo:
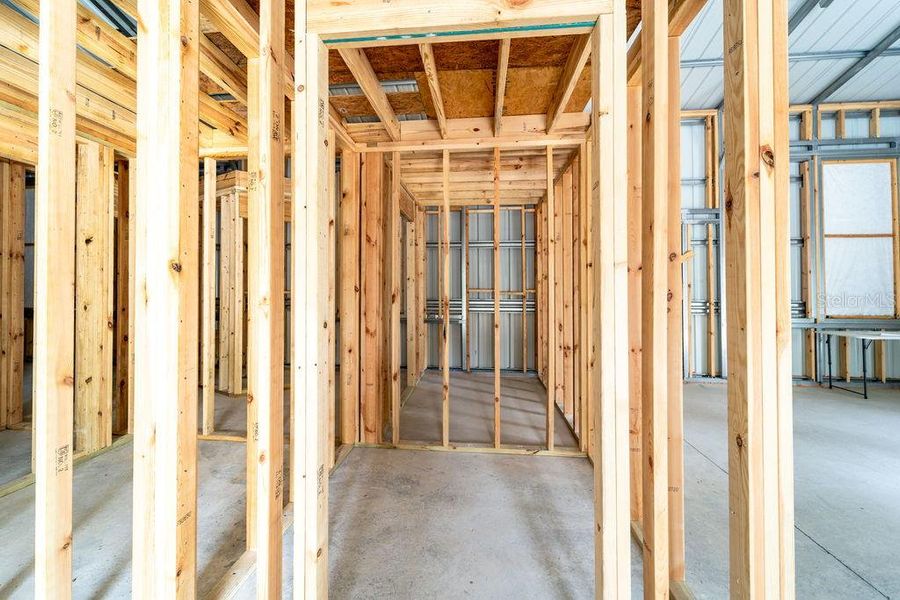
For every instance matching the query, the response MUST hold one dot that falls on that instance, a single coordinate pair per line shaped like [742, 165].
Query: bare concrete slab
[523, 410]
[412, 524]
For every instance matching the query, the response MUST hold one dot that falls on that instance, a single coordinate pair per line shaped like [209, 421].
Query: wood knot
[768, 155]
[739, 441]
[176, 266]
[184, 41]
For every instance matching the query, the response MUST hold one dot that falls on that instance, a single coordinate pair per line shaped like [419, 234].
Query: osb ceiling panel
[394, 59]
[468, 93]
[454, 56]
[406, 103]
[540, 51]
[529, 90]
[352, 106]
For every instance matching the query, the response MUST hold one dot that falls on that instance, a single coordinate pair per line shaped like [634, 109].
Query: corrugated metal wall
[473, 316]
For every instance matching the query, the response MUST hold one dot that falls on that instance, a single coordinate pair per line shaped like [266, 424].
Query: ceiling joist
[359, 65]
[431, 75]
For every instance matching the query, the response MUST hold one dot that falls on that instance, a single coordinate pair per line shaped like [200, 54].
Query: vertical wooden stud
[123, 387]
[609, 226]
[349, 296]
[312, 181]
[635, 238]
[566, 288]
[208, 297]
[654, 411]
[393, 238]
[758, 300]
[93, 297]
[265, 294]
[412, 308]
[166, 309]
[54, 291]
[550, 311]
[674, 325]
[445, 300]
[496, 293]
[371, 269]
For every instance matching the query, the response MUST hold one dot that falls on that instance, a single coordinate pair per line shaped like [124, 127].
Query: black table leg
[828, 347]
[865, 389]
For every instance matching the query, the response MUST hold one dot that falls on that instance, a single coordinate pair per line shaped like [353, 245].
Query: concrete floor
[413, 524]
[523, 410]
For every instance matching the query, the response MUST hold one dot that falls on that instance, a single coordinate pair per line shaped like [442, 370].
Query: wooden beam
[362, 71]
[350, 296]
[93, 297]
[373, 17]
[496, 293]
[609, 226]
[654, 285]
[166, 310]
[500, 87]
[393, 238]
[237, 21]
[54, 300]
[313, 179]
[675, 317]
[445, 301]
[551, 308]
[569, 78]
[208, 297]
[760, 465]
[431, 75]
[228, 222]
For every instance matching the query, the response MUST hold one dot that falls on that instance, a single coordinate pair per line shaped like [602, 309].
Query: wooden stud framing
[758, 300]
[413, 322]
[557, 320]
[12, 299]
[358, 63]
[54, 287]
[208, 298]
[166, 308]
[445, 301]
[393, 238]
[566, 310]
[371, 269]
[313, 180]
[265, 297]
[569, 78]
[434, 87]
[350, 296]
[875, 123]
[654, 411]
[500, 87]
[524, 276]
[675, 314]
[635, 238]
[496, 293]
[609, 329]
[93, 297]
[420, 288]
[550, 310]
[712, 201]
[123, 393]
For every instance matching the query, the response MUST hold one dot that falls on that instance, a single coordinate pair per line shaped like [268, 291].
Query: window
[860, 238]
